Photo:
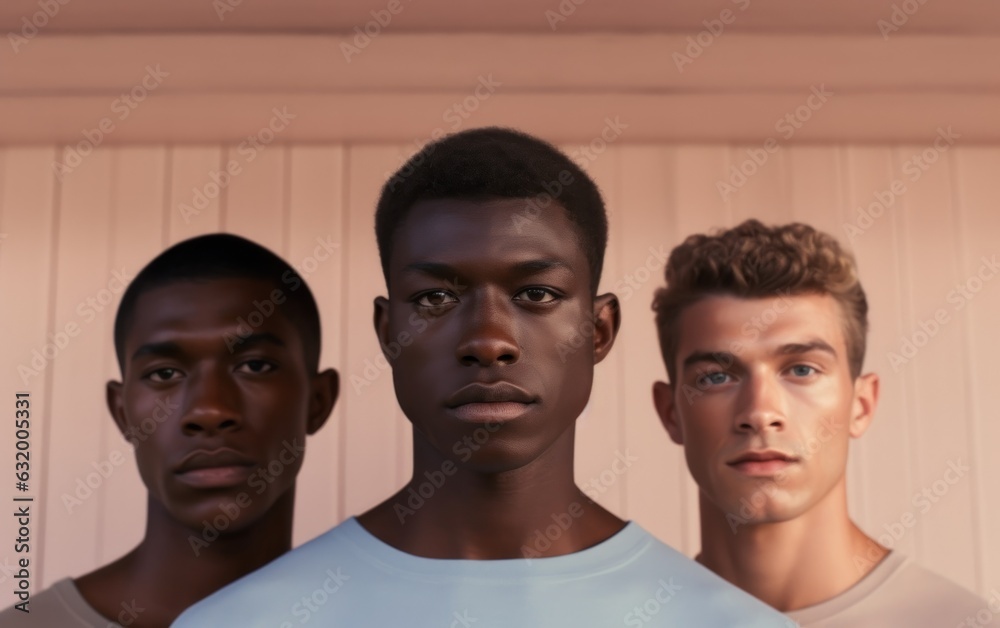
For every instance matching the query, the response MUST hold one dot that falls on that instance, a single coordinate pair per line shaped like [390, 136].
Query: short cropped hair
[495, 163]
[224, 256]
[752, 260]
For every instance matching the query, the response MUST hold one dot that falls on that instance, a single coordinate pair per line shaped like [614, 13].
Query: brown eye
[435, 299]
[257, 367]
[536, 295]
[164, 375]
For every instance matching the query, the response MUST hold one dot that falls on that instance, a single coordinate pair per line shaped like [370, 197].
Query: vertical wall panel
[656, 480]
[600, 429]
[316, 210]
[136, 235]
[194, 195]
[763, 192]
[869, 229]
[978, 221]
[370, 434]
[77, 373]
[118, 208]
[254, 200]
[936, 327]
[27, 204]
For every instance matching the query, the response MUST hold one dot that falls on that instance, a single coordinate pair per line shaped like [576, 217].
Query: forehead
[210, 307]
[495, 232]
[720, 323]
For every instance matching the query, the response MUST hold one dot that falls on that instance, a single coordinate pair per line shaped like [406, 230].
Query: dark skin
[221, 419]
[500, 331]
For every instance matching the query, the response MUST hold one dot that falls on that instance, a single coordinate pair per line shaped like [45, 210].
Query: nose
[761, 406]
[212, 404]
[488, 336]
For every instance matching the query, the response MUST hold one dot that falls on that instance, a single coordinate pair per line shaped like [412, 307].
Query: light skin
[503, 335]
[220, 417]
[765, 413]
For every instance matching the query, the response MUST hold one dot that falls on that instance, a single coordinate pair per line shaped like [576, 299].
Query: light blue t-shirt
[347, 577]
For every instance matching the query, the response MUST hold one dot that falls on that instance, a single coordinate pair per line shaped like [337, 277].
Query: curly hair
[752, 260]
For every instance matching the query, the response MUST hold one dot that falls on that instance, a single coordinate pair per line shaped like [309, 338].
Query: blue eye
[802, 370]
[713, 379]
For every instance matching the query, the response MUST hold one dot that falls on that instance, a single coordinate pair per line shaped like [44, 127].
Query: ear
[116, 405]
[380, 317]
[663, 399]
[866, 389]
[325, 388]
[607, 320]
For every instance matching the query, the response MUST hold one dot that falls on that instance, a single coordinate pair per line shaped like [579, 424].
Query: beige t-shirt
[898, 592]
[60, 605]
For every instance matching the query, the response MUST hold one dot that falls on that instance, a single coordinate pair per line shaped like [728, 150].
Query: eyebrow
[172, 349]
[709, 356]
[727, 357]
[260, 338]
[528, 267]
[796, 348]
[158, 348]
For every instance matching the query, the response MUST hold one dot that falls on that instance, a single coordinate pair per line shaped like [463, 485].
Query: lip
[217, 468]
[497, 402]
[762, 463]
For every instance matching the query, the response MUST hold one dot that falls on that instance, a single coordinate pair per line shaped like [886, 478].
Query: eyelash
[702, 379]
[271, 366]
[432, 307]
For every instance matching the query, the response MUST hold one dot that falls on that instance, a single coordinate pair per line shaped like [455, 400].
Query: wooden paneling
[66, 238]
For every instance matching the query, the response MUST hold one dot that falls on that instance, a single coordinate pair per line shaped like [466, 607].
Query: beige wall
[64, 240]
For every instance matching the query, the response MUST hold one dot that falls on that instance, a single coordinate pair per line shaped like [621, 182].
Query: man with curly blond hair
[762, 330]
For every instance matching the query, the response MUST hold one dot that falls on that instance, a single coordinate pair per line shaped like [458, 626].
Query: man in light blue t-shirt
[491, 244]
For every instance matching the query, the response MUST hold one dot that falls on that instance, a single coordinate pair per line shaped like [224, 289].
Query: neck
[790, 564]
[469, 514]
[175, 566]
